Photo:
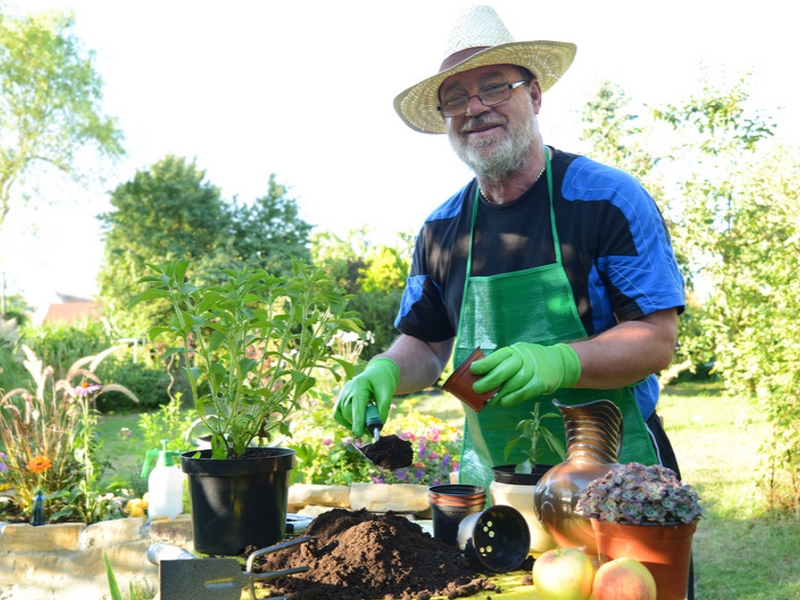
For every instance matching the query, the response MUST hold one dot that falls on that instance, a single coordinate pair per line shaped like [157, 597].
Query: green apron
[534, 305]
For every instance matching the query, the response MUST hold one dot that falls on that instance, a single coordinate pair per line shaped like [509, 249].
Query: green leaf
[151, 294]
[157, 331]
[112, 580]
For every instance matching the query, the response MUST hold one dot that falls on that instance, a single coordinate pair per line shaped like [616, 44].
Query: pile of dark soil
[358, 555]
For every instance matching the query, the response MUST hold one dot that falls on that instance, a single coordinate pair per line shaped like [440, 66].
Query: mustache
[484, 120]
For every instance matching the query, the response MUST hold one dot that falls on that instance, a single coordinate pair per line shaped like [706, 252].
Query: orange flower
[39, 464]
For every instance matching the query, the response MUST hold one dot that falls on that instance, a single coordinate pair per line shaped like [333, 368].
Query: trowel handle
[161, 551]
[373, 419]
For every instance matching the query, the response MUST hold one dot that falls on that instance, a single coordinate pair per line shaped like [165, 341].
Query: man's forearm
[421, 363]
[628, 352]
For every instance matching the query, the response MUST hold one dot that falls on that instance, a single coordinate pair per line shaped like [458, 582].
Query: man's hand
[376, 383]
[523, 371]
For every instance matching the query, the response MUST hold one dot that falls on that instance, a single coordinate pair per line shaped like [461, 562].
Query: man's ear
[536, 95]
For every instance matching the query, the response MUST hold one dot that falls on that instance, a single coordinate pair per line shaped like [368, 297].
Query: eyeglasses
[489, 96]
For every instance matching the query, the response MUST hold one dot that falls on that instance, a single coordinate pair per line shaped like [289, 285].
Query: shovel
[389, 452]
[182, 576]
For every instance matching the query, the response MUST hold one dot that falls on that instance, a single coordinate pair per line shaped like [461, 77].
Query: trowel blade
[206, 579]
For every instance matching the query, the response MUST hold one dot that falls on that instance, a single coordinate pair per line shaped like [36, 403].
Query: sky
[304, 90]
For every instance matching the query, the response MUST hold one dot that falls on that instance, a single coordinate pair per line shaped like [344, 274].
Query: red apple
[563, 574]
[624, 579]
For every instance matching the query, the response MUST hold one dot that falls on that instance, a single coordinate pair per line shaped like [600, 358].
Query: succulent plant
[634, 493]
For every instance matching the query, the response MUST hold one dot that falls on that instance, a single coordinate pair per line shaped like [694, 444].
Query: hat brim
[548, 61]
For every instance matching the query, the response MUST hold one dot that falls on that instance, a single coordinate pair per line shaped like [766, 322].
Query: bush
[12, 372]
[150, 384]
[61, 345]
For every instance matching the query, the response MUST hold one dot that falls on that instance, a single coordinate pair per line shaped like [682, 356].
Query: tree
[619, 138]
[49, 107]
[162, 214]
[375, 275]
[171, 212]
[270, 231]
[736, 230]
[741, 226]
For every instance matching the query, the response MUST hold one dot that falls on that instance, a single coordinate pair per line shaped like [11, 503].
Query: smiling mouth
[476, 126]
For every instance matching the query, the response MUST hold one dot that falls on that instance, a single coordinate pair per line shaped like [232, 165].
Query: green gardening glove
[523, 371]
[377, 384]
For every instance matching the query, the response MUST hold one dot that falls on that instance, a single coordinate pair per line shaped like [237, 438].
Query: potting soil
[390, 452]
[358, 555]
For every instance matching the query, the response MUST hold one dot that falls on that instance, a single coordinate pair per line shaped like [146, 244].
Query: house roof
[68, 312]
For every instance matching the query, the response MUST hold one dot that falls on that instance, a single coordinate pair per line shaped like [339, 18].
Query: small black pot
[505, 474]
[238, 502]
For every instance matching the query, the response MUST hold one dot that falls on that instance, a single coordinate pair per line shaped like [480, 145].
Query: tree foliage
[172, 212]
[268, 232]
[50, 101]
[742, 225]
[375, 275]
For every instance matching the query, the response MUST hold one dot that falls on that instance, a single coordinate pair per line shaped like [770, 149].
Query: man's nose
[475, 106]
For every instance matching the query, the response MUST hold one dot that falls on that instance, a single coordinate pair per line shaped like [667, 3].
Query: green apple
[624, 579]
[563, 574]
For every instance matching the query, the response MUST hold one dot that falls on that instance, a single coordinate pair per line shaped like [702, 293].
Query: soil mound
[358, 555]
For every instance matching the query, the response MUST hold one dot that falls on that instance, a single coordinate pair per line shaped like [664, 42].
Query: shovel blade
[206, 579]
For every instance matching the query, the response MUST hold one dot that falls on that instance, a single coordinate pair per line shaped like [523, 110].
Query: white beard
[507, 155]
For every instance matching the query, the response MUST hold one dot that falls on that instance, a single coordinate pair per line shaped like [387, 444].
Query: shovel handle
[161, 551]
[373, 420]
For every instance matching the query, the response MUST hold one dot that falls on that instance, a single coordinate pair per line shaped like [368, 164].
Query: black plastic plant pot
[506, 474]
[497, 539]
[238, 502]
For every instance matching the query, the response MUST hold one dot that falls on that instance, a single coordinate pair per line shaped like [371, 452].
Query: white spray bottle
[164, 484]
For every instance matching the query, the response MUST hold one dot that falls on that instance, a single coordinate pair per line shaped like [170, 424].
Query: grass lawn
[125, 454]
[739, 553]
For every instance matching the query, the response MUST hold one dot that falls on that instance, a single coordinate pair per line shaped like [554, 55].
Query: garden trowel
[389, 452]
[183, 576]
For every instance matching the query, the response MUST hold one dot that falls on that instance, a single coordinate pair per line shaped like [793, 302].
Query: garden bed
[65, 560]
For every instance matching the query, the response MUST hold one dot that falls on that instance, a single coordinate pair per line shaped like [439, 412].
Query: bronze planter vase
[593, 443]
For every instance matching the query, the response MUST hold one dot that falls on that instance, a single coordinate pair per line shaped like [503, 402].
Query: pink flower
[86, 388]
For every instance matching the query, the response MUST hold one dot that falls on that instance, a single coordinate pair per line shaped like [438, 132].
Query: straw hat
[479, 39]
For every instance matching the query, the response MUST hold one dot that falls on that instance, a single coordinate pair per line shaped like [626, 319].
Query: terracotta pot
[460, 383]
[665, 550]
[593, 436]
[516, 490]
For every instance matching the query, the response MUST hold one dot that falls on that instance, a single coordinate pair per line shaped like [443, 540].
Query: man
[560, 269]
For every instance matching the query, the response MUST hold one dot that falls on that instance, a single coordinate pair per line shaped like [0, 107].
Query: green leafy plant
[250, 346]
[634, 493]
[534, 434]
[49, 438]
